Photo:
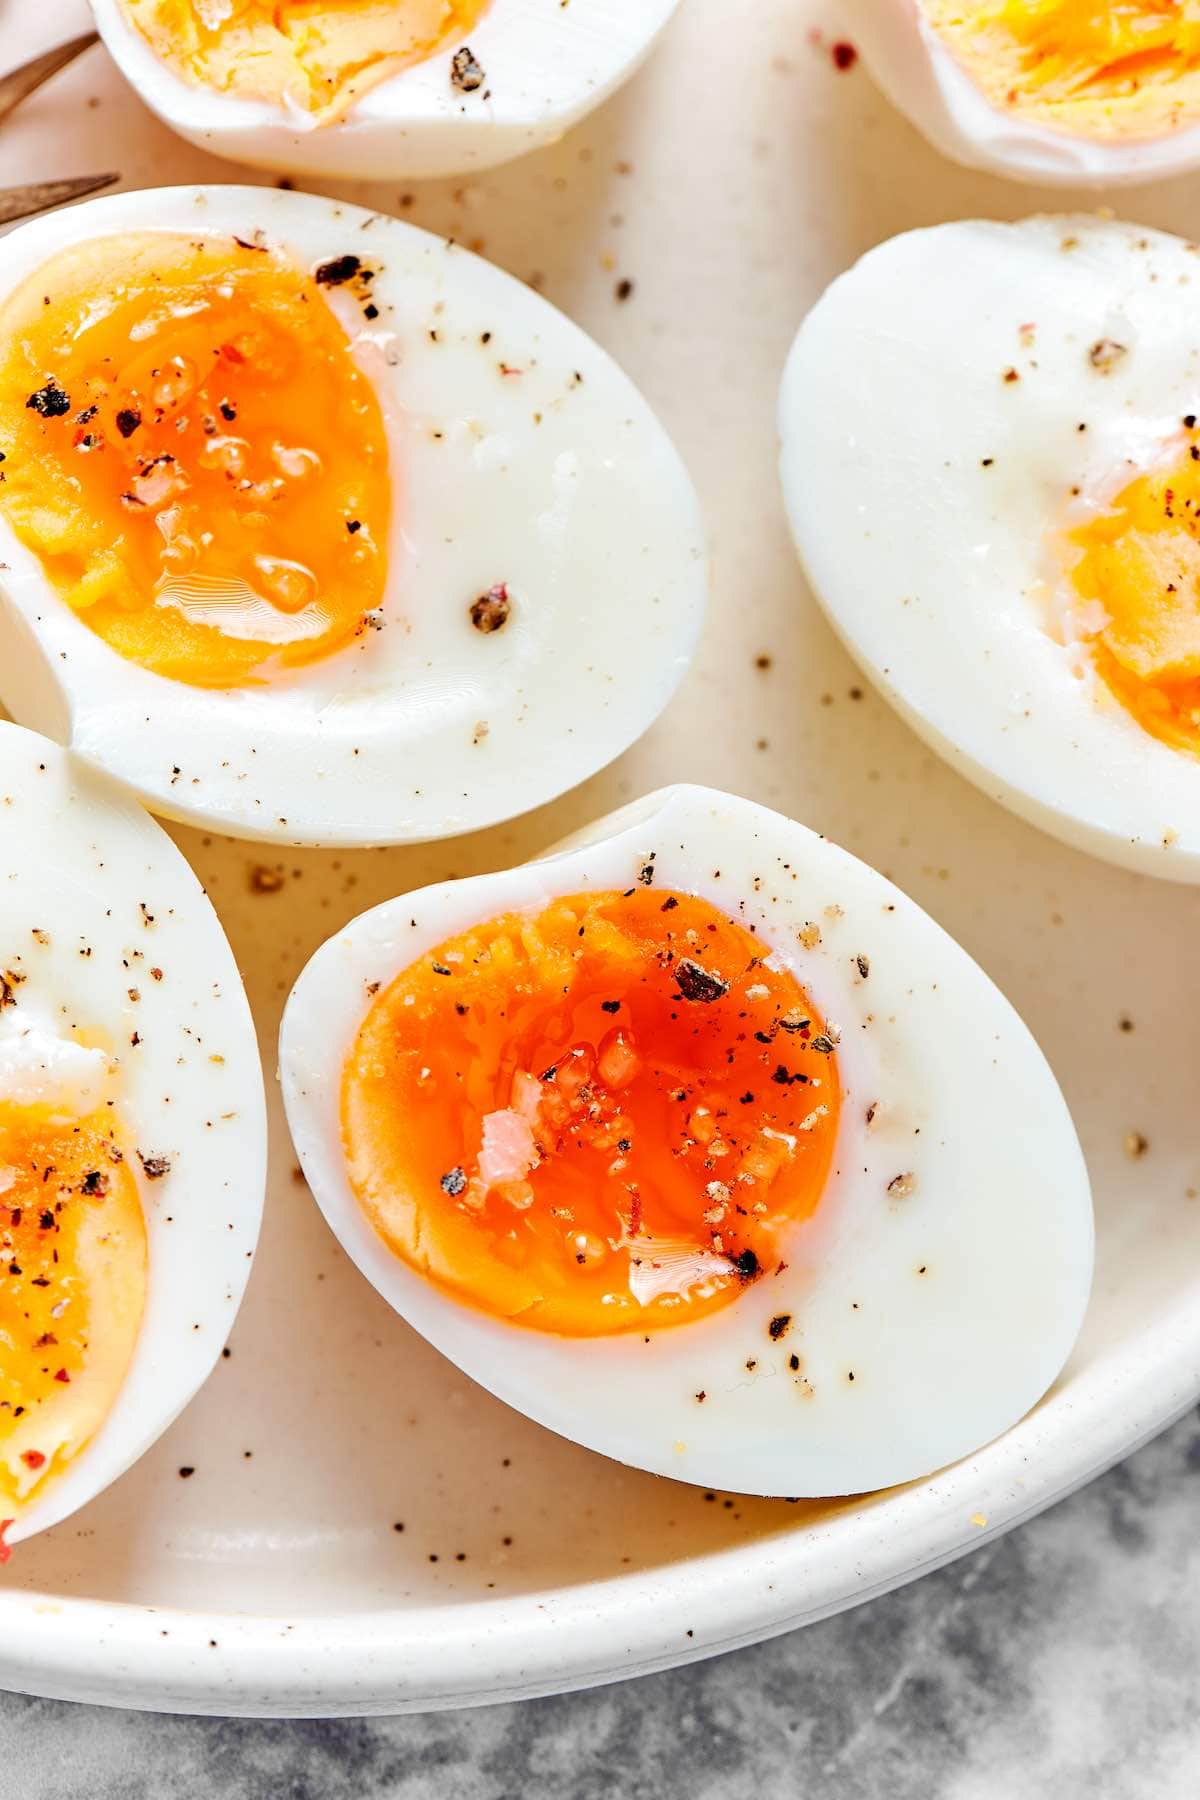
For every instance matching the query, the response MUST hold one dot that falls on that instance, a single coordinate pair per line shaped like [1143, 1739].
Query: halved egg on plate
[132, 1135]
[314, 527]
[377, 89]
[991, 462]
[1054, 91]
[702, 1145]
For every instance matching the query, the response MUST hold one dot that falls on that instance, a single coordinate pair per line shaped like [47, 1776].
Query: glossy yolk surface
[194, 455]
[1131, 67]
[318, 55]
[1141, 562]
[72, 1289]
[594, 1120]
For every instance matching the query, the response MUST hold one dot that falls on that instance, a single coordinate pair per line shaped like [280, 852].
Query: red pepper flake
[33, 1459]
[61, 1375]
[844, 56]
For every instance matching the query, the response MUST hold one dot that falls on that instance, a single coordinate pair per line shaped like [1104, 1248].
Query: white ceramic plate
[735, 177]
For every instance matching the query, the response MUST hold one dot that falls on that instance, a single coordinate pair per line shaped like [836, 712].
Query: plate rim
[433, 1658]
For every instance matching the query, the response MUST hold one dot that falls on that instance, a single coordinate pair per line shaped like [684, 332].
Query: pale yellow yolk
[601, 1119]
[193, 453]
[1141, 562]
[72, 1289]
[317, 55]
[1127, 69]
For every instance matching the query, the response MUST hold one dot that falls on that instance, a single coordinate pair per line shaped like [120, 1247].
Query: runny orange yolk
[1140, 561]
[318, 55]
[599, 1119]
[194, 455]
[1082, 64]
[72, 1289]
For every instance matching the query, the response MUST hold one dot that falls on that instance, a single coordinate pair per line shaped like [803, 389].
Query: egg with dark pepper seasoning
[654, 1164]
[377, 88]
[991, 463]
[296, 496]
[1051, 91]
[132, 1135]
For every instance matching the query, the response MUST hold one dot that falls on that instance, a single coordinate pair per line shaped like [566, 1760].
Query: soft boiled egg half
[1053, 91]
[132, 1134]
[991, 461]
[377, 89]
[702, 1145]
[316, 528]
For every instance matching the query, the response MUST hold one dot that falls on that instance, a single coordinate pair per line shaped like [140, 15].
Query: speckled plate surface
[365, 1531]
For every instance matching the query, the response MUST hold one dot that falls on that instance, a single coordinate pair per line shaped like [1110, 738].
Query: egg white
[555, 479]
[112, 900]
[546, 65]
[922, 489]
[923, 79]
[952, 1307]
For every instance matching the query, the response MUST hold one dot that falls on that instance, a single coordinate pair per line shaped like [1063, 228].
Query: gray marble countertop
[1063, 1659]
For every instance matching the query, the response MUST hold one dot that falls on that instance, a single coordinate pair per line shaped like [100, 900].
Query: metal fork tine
[20, 202]
[19, 82]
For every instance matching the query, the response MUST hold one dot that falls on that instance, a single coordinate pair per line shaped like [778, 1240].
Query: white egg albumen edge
[1001, 1213]
[590, 517]
[892, 397]
[79, 859]
[546, 65]
[920, 75]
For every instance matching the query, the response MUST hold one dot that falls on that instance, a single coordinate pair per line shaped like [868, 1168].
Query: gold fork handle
[20, 202]
[19, 82]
